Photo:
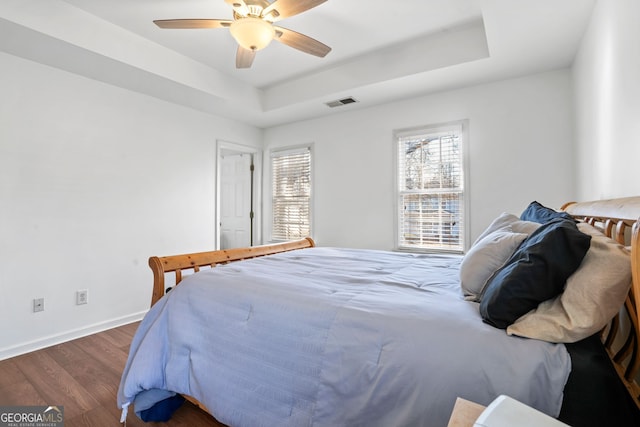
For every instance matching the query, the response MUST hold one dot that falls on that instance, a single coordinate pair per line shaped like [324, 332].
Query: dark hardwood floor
[83, 376]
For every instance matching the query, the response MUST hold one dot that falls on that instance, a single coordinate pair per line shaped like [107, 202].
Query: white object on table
[505, 411]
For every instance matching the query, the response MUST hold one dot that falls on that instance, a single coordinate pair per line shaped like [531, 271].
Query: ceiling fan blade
[239, 6]
[244, 57]
[281, 9]
[192, 23]
[301, 42]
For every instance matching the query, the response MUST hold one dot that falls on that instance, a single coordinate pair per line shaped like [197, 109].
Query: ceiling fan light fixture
[252, 33]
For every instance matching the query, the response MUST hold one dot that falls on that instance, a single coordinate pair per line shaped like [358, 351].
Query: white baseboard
[17, 350]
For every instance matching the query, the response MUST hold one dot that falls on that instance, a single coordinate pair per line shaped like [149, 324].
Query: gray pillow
[484, 258]
[511, 223]
[594, 293]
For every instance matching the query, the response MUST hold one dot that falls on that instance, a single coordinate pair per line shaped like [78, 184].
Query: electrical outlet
[38, 305]
[82, 297]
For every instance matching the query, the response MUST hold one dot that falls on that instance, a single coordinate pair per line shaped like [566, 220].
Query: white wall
[520, 143]
[93, 180]
[607, 102]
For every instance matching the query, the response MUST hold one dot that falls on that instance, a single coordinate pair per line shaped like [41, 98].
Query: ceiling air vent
[340, 102]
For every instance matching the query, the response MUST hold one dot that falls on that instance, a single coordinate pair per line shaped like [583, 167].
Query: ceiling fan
[252, 27]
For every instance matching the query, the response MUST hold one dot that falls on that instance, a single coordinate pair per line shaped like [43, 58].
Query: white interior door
[235, 200]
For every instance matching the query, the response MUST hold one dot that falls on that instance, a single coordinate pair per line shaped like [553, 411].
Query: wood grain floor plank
[129, 329]
[97, 417]
[10, 374]
[54, 384]
[101, 383]
[101, 350]
[66, 354]
[117, 338]
[83, 376]
[21, 394]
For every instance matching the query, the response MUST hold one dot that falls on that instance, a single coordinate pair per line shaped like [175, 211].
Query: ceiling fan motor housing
[254, 8]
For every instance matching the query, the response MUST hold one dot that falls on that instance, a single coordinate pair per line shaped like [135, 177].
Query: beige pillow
[484, 258]
[507, 221]
[592, 296]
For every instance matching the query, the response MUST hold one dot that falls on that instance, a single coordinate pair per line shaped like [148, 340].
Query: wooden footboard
[193, 262]
[619, 219]
[178, 264]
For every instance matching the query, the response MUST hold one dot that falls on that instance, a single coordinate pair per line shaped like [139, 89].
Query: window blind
[291, 194]
[431, 189]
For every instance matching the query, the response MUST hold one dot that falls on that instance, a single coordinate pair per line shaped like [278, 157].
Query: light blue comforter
[334, 337]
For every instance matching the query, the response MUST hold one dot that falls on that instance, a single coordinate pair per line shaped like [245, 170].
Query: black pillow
[535, 272]
[538, 213]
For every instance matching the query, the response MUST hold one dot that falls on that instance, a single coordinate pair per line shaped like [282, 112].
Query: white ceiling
[381, 50]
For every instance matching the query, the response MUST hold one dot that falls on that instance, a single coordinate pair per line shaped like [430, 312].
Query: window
[431, 199]
[291, 193]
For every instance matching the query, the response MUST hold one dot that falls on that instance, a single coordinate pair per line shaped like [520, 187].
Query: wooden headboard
[620, 220]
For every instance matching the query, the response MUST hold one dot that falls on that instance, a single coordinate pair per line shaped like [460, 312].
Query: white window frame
[461, 127]
[284, 151]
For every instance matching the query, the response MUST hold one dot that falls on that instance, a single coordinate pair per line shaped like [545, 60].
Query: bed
[293, 334]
